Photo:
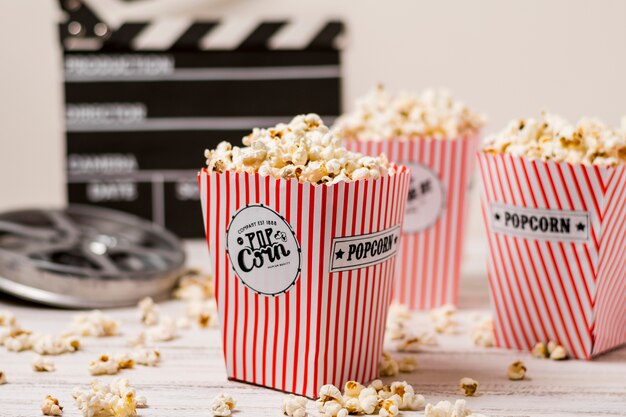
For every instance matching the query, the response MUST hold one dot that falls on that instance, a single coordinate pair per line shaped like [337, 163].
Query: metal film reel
[86, 257]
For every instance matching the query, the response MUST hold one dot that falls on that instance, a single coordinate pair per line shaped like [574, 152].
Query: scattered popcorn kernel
[195, 285]
[443, 318]
[117, 399]
[588, 142]
[516, 371]
[51, 406]
[94, 323]
[558, 353]
[352, 389]
[294, 406]
[540, 350]
[389, 407]
[141, 402]
[223, 405]
[148, 312]
[406, 397]
[447, 409]
[329, 392]
[41, 364]
[54, 345]
[415, 342]
[377, 384]
[368, 400]
[7, 319]
[3, 378]
[468, 386]
[17, 339]
[146, 356]
[164, 331]
[105, 365]
[124, 360]
[304, 150]
[381, 116]
[203, 312]
[407, 364]
[353, 406]
[332, 409]
[482, 333]
[387, 365]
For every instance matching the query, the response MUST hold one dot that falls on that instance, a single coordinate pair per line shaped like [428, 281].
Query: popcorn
[194, 285]
[223, 405]
[146, 356]
[552, 351]
[482, 333]
[18, 340]
[117, 399]
[105, 365]
[164, 331]
[446, 409]
[352, 389]
[468, 386]
[407, 364]
[368, 400]
[382, 116]
[415, 342]
[41, 364]
[54, 345]
[327, 393]
[3, 378]
[406, 397]
[51, 406]
[94, 323]
[332, 409]
[516, 371]
[123, 360]
[304, 150]
[294, 406]
[443, 318]
[138, 340]
[387, 365]
[389, 407]
[148, 312]
[204, 312]
[7, 319]
[589, 142]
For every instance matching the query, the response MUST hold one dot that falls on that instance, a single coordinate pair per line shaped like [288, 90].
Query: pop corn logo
[263, 250]
[425, 201]
[361, 251]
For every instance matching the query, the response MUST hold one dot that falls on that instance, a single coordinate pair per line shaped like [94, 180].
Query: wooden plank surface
[192, 370]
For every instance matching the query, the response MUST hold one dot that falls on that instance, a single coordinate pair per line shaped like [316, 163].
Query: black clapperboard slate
[138, 121]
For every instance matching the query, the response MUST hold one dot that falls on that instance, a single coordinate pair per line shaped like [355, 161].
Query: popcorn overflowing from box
[436, 136]
[302, 236]
[553, 204]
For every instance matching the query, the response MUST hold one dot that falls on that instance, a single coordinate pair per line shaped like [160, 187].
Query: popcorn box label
[429, 256]
[354, 252]
[539, 223]
[293, 317]
[263, 250]
[556, 253]
[426, 200]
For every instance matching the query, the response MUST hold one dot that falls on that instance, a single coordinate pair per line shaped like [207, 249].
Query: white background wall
[506, 58]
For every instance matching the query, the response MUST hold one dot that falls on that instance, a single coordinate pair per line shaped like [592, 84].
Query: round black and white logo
[426, 199]
[263, 250]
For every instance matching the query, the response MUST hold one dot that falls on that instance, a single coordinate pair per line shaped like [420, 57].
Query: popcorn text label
[540, 223]
[354, 252]
[263, 250]
[426, 199]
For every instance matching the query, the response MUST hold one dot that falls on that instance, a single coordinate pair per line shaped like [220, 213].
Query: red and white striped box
[557, 267]
[303, 275]
[434, 222]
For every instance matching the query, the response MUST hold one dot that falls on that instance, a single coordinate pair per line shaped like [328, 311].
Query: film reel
[86, 257]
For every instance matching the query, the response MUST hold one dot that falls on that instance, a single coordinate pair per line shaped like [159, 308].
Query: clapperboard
[139, 117]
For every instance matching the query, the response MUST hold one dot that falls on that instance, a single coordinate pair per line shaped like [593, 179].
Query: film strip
[144, 99]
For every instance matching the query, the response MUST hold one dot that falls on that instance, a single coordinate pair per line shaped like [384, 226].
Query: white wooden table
[192, 370]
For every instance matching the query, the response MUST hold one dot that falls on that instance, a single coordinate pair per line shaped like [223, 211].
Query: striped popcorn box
[434, 224]
[303, 275]
[557, 267]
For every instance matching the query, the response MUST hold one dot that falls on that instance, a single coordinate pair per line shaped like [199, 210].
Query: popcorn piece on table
[18, 340]
[447, 409]
[482, 333]
[390, 407]
[124, 360]
[105, 365]
[146, 356]
[51, 407]
[195, 285]
[42, 364]
[204, 312]
[468, 386]
[55, 345]
[304, 150]
[148, 311]
[415, 342]
[551, 350]
[588, 142]
[368, 398]
[380, 116]
[388, 365]
[223, 405]
[352, 389]
[558, 353]
[540, 350]
[164, 331]
[94, 323]
[117, 399]
[443, 318]
[516, 371]
[407, 364]
[3, 378]
[294, 406]
[407, 399]
[328, 393]
[7, 319]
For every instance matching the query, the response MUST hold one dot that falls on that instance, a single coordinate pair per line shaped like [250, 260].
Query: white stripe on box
[229, 34]
[161, 34]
